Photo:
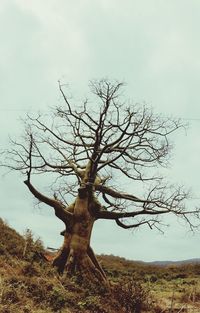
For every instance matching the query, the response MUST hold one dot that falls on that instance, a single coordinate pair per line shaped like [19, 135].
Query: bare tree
[91, 152]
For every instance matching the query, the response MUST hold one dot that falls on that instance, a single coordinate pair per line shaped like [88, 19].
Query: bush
[92, 303]
[153, 278]
[57, 298]
[10, 295]
[32, 248]
[132, 296]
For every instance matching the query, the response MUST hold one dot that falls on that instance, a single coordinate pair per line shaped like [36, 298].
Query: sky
[152, 45]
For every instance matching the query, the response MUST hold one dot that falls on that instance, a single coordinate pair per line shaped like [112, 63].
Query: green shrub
[57, 298]
[92, 303]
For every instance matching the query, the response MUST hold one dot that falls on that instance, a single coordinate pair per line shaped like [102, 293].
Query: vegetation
[29, 285]
[91, 153]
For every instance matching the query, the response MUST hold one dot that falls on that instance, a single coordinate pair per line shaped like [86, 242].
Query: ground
[28, 284]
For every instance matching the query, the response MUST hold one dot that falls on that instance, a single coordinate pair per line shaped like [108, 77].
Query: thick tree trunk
[76, 256]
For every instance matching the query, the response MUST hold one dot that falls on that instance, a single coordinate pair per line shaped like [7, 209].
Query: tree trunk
[76, 255]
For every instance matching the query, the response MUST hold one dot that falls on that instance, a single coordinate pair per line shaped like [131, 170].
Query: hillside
[119, 260]
[29, 284]
[178, 263]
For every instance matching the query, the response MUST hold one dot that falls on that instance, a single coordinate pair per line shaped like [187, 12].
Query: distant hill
[119, 261]
[183, 262]
[13, 243]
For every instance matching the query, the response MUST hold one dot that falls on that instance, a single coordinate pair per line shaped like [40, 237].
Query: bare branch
[150, 223]
[115, 194]
[60, 212]
[79, 146]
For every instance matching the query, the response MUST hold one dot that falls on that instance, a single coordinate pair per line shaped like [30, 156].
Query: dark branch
[60, 211]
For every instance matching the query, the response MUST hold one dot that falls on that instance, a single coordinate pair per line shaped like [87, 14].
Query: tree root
[82, 264]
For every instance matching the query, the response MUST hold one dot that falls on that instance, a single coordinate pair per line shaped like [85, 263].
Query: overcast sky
[152, 45]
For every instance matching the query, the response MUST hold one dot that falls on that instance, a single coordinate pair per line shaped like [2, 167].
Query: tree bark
[76, 256]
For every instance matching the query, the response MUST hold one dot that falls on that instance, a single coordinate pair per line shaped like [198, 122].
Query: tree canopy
[104, 151]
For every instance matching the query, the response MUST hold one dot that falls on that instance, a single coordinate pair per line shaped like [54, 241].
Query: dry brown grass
[27, 284]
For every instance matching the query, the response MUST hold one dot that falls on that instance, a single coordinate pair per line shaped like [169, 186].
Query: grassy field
[173, 288]
[28, 284]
